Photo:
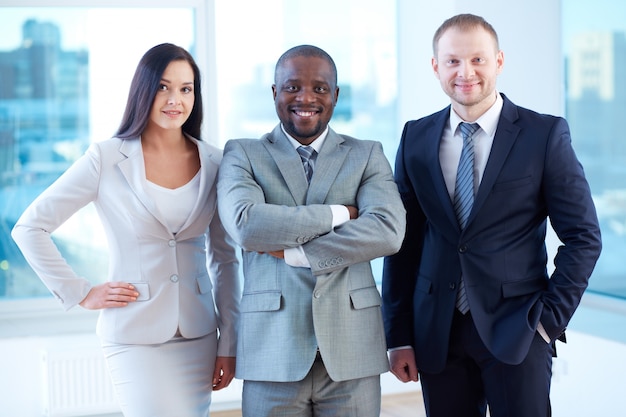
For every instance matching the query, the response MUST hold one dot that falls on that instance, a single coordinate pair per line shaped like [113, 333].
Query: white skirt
[173, 379]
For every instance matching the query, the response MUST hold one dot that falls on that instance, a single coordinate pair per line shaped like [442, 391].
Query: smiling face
[467, 64]
[175, 97]
[305, 95]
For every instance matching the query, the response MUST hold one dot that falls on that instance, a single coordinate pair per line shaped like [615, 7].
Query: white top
[175, 204]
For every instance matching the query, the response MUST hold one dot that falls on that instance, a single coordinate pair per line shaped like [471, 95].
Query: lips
[306, 113]
[466, 86]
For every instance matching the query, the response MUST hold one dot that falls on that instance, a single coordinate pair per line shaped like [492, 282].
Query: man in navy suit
[468, 301]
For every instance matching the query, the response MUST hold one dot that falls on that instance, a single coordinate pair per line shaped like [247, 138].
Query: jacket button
[452, 286]
[462, 249]
[174, 278]
[171, 243]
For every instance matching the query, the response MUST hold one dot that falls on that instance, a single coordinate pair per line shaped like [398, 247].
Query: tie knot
[468, 129]
[306, 152]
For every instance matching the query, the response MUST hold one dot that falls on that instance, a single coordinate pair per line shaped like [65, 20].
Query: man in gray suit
[311, 340]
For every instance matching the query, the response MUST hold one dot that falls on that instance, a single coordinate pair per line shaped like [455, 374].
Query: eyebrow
[168, 81]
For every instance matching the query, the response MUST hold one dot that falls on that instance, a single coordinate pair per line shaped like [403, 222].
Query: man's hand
[109, 295]
[280, 254]
[354, 212]
[224, 372]
[402, 363]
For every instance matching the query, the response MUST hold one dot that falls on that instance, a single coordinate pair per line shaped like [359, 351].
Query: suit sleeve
[252, 222]
[379, 228]
[224, 272]
[573, 217]
[400, 269]
[74, 189]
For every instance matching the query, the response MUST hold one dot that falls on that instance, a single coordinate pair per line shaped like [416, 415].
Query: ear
[336, 96]
[274, 91]
[435, 64]
[499, 62]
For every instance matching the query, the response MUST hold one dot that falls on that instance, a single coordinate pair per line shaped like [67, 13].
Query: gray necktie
[307, 156]
[464, 195]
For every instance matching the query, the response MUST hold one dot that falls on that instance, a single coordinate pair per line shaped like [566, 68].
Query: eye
[162, 87]
[452, 61]
[290, 88]
[187, 90]
[479, 60]
[321, 89]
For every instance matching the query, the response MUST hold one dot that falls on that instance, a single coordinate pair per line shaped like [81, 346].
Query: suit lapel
[431, 152]
[208, 176]
[133, 170]
[506, 134]
[329, 161]
[288, 162]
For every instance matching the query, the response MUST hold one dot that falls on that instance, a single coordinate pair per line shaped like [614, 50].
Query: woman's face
[175, 97]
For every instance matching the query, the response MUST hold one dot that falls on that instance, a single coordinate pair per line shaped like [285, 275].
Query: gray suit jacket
[288, 312]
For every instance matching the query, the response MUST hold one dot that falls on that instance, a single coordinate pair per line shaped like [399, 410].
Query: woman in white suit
[169, 308]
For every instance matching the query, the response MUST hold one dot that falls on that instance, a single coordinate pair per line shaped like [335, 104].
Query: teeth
[305, 113]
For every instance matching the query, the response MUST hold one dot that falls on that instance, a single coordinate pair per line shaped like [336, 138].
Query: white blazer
[176, 275]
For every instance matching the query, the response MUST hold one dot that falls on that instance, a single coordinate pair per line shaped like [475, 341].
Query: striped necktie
[306, 155]
[464, 195]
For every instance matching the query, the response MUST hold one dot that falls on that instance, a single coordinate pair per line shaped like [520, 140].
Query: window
[360, 36]
[65, 75]
[594, 41]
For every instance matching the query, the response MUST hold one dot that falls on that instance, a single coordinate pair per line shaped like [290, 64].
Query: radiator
[76, 383]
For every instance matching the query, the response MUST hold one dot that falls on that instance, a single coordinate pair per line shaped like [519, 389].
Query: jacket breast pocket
[365, 298]
[260, 301]
[512, 184]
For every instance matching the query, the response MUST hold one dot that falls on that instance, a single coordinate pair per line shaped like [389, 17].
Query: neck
[473, 112]
[163, 139]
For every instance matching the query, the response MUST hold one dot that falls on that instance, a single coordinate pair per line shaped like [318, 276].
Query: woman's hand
[109, 295]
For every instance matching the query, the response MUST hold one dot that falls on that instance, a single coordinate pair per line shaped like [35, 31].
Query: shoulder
[435, 119]
[111, 143]
[208, 150]
[108, 148]
[528, 118]
[245, 144]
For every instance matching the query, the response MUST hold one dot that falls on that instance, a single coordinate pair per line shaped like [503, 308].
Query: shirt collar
[316, 144]
[488, 122]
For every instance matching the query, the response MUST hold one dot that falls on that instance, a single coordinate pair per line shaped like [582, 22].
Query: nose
[466, 70]
[306, 95]
[173, 98]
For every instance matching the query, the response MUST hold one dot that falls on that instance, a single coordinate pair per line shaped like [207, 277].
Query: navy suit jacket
[532, 175]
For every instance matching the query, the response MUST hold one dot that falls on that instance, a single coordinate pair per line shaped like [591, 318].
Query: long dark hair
[144, 87]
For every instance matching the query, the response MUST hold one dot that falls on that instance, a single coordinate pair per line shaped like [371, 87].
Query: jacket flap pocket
[524, 287]
[204, 283]
[260, 301]
[365, 297]
[143, 288]
[423, 285]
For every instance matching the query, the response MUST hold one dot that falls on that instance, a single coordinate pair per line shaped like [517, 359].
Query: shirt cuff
[542, 332]
[400, 347]
[341, 214]
[296, 257]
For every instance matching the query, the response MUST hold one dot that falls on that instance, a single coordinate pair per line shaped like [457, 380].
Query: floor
[393, 405]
